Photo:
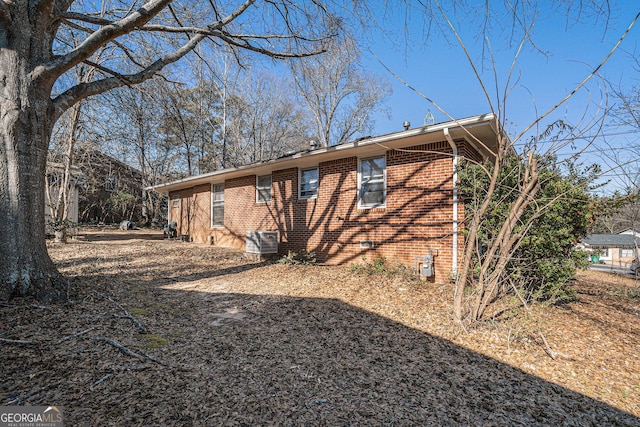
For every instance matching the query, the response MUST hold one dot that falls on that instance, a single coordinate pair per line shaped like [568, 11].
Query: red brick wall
[193, 212]
[416, 219]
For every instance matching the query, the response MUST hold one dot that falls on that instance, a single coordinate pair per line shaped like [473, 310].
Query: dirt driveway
[168, 333]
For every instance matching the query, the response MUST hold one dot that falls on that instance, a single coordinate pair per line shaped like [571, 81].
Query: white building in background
[55, 173]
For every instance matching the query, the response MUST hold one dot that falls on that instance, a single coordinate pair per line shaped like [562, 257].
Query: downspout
[454, 255]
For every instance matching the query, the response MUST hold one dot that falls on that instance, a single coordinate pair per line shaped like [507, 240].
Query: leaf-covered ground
[168, 333]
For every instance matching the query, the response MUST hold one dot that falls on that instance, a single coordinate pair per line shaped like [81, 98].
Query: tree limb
[108, 33]
[122, 47]
[99, 38]
[84, 90]
[75, 16]
[244, 44]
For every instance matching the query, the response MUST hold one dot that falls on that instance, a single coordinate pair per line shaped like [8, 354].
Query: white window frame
[217, 203]
[361, 205]
[174, 203]
[623, 253]
[258, 188]
[317, 187]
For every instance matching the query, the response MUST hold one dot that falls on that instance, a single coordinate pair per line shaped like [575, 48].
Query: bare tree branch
[99, 38]
[245, 44]
[121, 46]
[65, 100]
[579, 86]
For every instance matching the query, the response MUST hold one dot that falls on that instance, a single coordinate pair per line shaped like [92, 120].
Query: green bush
[546, 256]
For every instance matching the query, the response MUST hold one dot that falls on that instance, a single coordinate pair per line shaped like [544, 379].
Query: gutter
[454, 255]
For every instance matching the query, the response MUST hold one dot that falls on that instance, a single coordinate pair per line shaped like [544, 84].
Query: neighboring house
[113, 190]
[55, 178]
[632, 231]
[391, 196]
[612, 248]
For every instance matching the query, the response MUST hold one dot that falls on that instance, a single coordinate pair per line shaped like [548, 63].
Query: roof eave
[459, 129]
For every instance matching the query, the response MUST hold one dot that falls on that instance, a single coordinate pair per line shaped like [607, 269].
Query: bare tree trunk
[474, 228]
[64, 195]
[25, 130]
[504, 245]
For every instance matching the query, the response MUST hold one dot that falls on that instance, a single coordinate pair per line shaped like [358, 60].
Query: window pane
[217, 204]
[264, 181]
[264, 194]
[372, 168]
[309, 183]
[626, 253]
[372, 182]
[218, 215]
[263, 188]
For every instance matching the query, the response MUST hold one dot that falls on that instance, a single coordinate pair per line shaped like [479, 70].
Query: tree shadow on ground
[237, 354]
[279, 360]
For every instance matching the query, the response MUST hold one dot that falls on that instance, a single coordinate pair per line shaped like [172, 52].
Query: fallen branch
[128, 315]
[122, 348]
[6, 304]
[68, 337]
[101, 380]
[8, 341]
[116, 368]
[142, 356]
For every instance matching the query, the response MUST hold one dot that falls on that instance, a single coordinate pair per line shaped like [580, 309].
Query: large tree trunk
[25, 128]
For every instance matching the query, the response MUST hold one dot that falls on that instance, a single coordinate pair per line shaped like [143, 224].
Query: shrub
[303, 258]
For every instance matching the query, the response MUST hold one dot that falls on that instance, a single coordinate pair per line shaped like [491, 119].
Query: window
[110, 182]
[308, 183]
[627, 253]
[263, 189]
[175, 201]
[372, 191]
[217, 205]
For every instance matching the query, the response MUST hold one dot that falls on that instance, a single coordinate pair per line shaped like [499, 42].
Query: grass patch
[153, 341]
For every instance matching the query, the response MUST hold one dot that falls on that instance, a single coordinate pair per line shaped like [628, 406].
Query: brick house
[392, 195]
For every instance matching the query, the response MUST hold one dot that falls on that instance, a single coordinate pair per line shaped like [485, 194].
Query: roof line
[467, 122]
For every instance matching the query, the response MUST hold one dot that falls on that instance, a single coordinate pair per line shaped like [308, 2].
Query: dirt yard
[167, 333]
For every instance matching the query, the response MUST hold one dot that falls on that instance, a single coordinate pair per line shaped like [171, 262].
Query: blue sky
[439, 69]
[567, 50]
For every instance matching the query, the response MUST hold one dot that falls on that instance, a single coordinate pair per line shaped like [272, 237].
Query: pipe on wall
[454, 255]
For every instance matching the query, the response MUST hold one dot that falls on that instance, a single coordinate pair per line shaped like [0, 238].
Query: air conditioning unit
[262, 242]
